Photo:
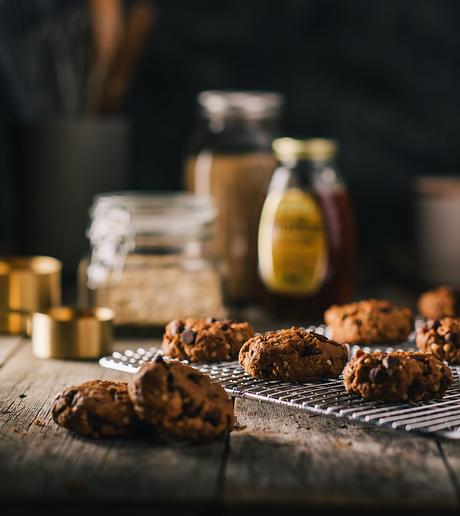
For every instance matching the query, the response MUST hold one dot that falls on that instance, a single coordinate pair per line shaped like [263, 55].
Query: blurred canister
[27, 284]
[230, 159]
[438, 228]
[67, 163]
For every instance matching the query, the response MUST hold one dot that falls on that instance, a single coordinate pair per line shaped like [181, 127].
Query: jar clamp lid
[120, 219]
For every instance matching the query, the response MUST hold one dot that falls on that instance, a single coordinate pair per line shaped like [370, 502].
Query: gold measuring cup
[66, 332]
[27, 284]
[30, 295]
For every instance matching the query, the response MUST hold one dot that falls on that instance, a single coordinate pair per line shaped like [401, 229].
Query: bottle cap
[319, 149]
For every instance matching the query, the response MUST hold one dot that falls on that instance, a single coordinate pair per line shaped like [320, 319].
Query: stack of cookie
[300, 355]
[169, 397]
[398, 376]
[183, 403]
[440, 335]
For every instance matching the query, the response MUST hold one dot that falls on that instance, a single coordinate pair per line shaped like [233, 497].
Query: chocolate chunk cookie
[99, 408]
[440, 302]
[372, 321]
[293, 355]
[205, 340]
[441, 338]
[397, 376]
[180, 401]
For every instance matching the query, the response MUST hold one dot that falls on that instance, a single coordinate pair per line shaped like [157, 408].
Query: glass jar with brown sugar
[231, 159]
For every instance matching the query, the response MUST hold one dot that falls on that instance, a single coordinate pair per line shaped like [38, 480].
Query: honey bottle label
[293, 253]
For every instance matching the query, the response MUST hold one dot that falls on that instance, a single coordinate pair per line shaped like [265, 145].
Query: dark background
[381, 76]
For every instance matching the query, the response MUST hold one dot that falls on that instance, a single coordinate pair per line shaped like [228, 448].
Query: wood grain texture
[276, 457]
[283, 455]
[8, 346]
[450, 452]
[41, 460]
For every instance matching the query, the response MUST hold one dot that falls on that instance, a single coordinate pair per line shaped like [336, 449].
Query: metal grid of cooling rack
[437, 417]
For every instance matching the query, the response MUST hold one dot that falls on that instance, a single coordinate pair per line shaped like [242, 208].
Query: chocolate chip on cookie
[441, 338]
[180, 401]
[293, 355]
[371, 321]
[397, 376]
[205, 340]
[99, 408]
[440, 302]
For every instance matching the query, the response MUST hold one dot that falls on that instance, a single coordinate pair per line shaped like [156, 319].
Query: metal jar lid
[311, 148]
[247, 104]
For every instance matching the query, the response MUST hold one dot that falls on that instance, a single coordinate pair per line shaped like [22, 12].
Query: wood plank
[284, 455]
[41, 461]
[278, 456]
[8, 346]
[450, 451]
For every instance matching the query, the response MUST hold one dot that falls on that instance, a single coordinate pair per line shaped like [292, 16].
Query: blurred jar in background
[437, 230]
[150, 259]
[231, 160]
[306, 246]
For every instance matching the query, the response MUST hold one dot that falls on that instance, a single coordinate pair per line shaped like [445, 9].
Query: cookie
[440, 302]
[371, 321]
[205, 340]
[99, 408]
[441, 337]
[293, 355]
[397, 376]
[180, 401]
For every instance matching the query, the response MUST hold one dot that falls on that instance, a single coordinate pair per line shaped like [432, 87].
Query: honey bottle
[306, 238]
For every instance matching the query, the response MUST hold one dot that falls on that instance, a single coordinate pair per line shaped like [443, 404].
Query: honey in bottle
[306, 239]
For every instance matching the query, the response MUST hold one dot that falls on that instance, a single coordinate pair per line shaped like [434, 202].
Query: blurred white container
[437, 228]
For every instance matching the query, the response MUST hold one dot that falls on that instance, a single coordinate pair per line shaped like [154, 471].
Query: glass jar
[231, 160]
[150, 259]
[306, 242]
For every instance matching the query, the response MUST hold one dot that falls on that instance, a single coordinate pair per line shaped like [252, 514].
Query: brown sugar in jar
[231, 160]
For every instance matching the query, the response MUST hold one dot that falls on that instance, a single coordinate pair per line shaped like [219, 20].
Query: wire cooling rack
[437, 417]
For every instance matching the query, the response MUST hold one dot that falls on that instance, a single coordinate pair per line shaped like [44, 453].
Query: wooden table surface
[276, 458]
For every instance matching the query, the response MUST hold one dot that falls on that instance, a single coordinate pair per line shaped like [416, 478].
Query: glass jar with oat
[231, 159]
[150, 258]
